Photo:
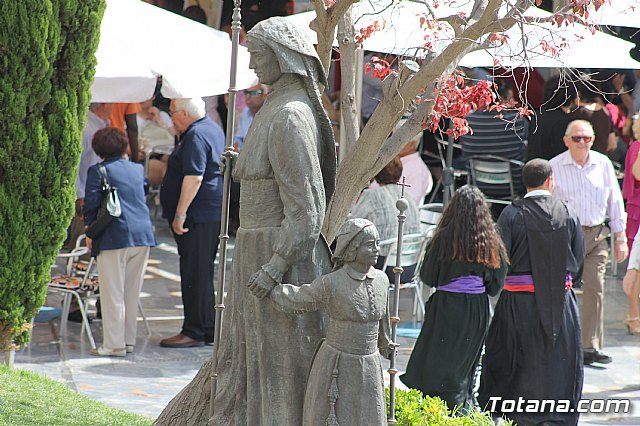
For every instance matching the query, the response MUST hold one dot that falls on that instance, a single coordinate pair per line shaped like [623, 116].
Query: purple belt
[524, 283]
[470, 284]
[519, 284]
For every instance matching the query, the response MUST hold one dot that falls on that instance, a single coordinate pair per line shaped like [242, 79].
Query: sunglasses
[586, 139]
[253, 92]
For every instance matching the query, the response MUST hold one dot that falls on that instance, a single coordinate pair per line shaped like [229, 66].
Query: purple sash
[470, 284]
[524, 283]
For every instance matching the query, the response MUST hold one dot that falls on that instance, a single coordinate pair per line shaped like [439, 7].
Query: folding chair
[413, 250]
[71, 285]
[489, 172]
[430, 215]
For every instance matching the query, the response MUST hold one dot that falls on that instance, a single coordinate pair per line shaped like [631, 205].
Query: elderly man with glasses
[191, 197]
[586, 181]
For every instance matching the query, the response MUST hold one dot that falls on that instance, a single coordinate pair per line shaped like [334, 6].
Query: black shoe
[76, 316]
[596, 356]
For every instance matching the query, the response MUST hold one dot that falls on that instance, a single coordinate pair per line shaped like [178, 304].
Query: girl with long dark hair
[466, 262]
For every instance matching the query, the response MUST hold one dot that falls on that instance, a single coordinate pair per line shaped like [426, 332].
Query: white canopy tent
[619, 13]
[576, 43]
[402, 34]
[139, 42]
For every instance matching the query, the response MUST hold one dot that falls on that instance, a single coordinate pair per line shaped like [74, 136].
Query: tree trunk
[350, 124]
[191, 406]
[47, 64]
[9, 357]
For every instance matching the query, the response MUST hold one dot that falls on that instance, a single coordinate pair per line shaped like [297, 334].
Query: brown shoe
[180, 341]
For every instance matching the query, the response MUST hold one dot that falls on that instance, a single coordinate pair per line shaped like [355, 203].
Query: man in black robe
[533, 350]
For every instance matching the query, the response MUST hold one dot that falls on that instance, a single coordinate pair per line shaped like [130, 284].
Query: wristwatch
[624, 239]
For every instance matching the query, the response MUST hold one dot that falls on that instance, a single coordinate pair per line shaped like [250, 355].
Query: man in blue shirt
[191, 197]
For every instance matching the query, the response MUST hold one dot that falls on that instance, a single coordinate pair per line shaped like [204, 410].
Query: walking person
[122, 250]
[586, 181]
[631, 193]
[533, 349]
[466, 262]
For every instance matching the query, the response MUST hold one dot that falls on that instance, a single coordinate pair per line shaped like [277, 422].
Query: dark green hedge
[47, 64]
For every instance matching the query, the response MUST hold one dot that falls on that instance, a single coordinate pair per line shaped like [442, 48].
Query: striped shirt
[505, 137]
[379, 206]
[592, 190]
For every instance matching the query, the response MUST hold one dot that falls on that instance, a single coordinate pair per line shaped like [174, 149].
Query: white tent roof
[402, 35]
[578, 48]
[139, 41]
[622, 13]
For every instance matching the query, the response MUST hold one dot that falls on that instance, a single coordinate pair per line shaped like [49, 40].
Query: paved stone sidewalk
[146, 380]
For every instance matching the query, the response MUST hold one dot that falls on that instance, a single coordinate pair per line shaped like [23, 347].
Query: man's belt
[591, 228]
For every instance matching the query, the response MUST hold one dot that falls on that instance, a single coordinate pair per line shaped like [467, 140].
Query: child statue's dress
[345, 385]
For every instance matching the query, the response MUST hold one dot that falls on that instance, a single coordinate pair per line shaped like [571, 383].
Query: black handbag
[109, 208]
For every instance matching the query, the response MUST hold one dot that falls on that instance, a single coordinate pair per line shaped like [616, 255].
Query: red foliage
[499, 38]
[366, 32]
[455, 100]
[378, 68]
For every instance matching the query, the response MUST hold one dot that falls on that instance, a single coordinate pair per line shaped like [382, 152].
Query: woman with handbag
[122, 247]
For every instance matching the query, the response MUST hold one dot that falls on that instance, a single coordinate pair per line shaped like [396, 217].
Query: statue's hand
[227, 159]
[261, 284]
[390, 350]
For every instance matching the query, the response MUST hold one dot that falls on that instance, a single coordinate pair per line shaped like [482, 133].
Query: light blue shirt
[88, 157]
[244, 121]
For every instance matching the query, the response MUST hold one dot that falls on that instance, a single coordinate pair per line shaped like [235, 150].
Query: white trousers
[121, 275]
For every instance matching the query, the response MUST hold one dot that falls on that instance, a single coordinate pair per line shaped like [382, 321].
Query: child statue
[345, 385]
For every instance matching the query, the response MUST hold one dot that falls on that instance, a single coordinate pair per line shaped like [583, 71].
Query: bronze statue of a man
[286, 170]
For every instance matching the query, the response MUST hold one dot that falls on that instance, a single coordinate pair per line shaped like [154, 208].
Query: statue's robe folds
[265, 354]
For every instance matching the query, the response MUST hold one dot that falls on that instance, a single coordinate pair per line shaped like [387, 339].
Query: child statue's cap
[347, 233]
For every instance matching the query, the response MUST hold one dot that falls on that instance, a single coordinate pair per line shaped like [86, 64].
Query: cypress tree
[47, 65]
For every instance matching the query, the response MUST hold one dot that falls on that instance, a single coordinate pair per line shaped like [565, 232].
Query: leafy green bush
[47, 64]
[27, 399]
[413, 409]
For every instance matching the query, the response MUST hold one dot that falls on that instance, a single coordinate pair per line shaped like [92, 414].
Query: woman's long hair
[466, 231]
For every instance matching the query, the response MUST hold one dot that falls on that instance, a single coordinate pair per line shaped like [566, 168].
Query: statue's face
[263, 62]
[368, 251]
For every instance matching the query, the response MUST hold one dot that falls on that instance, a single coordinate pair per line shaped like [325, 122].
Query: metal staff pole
[228, 156]
[402, 206]
[448, 183]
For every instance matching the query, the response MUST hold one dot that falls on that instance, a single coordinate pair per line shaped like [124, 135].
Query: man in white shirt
[586, 181]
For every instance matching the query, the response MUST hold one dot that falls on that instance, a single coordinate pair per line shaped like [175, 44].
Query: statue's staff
[402, 205]
[226, 163]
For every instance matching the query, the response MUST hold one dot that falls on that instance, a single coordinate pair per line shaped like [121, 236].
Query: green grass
[27, 399]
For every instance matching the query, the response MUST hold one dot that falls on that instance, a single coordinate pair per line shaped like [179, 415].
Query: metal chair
[154, 190]
[487, 171]
[430, 215]
[71, 285]
[412, 255]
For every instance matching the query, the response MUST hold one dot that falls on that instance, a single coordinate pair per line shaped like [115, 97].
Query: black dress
[445, 356]
[529, 355]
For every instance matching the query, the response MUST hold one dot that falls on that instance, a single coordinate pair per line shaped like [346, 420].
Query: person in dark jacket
[122, 250]
[191, 197]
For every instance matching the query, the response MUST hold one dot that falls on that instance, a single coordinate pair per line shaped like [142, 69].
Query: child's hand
[261, 284]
